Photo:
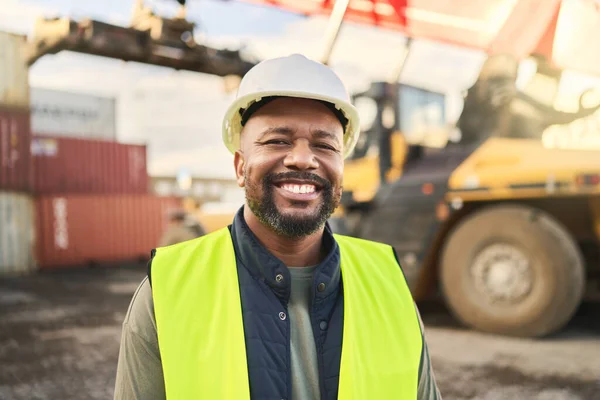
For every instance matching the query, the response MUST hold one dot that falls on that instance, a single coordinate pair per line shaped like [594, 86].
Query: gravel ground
[59, 339]
[476, 366]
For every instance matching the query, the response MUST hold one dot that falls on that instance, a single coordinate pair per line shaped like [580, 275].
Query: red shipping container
[64, 165]
[15, 154]
[78, 230]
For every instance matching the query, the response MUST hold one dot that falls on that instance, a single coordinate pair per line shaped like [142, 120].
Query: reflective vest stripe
[201, 333]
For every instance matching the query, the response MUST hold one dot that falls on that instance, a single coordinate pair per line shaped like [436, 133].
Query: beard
[291, 226]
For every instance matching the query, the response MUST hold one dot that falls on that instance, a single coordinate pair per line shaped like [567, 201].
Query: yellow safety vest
[201, 333]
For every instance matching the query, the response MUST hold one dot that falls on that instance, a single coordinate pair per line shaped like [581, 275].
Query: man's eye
[276, 142]
[325, 146]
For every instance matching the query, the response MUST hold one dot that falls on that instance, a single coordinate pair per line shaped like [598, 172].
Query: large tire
[512, 270]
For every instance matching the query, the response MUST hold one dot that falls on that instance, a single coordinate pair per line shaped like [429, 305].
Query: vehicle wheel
[512, 270]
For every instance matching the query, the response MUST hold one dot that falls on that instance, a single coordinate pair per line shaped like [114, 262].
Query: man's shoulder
[180, 258]
[140, 314]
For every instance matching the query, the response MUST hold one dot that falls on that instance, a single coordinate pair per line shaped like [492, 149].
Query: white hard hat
[291, 76]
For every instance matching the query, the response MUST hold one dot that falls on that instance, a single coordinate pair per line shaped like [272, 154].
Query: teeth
[299, 188]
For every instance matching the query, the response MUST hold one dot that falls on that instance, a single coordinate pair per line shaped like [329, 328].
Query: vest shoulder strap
[370, 246]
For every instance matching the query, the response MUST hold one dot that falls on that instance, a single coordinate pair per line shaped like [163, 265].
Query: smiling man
[275, 306]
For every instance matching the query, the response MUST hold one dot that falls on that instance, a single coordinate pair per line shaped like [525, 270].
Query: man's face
[291, 165]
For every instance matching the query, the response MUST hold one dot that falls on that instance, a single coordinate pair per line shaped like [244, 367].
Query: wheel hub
[502, 272]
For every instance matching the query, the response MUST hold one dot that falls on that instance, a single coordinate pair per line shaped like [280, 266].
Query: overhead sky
[178, 114]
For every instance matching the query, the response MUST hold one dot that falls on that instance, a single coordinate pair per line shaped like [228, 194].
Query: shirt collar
[262, 264]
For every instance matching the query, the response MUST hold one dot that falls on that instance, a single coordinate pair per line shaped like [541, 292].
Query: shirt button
[323, 325]
[321, 287]
[282, 316]
[279, 278]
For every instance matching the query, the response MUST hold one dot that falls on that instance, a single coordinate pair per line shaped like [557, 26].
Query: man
[179, 229]
[275, 306]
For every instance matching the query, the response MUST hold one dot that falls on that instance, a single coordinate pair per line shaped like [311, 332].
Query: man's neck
[302, 252]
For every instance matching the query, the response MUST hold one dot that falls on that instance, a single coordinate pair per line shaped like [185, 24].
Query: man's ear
[238, 163]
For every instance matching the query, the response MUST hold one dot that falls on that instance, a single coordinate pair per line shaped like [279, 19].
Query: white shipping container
[16, 234]
[68, 114]
[14, 73]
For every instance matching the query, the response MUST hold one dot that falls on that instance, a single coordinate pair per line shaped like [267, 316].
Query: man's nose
[301, 157]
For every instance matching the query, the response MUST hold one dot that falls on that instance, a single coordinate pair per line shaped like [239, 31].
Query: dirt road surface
[59, 339]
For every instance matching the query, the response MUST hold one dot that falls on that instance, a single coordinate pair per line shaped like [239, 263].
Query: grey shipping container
[59, 113]
[14, 80]
[16, 234]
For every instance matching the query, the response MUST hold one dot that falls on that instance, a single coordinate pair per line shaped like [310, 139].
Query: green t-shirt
[305, 372]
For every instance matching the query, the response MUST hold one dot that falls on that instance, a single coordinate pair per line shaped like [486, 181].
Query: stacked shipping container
[78, 230]
[16, 210]
[92, 202]
[69, 165]
[68, 201]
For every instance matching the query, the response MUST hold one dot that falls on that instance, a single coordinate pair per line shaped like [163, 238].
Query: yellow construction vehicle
[509, 228]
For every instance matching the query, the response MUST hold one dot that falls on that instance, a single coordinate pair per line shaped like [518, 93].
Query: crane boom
[150, 39]
[562, 31]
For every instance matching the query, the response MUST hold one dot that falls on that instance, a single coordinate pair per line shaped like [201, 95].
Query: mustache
[300, 175]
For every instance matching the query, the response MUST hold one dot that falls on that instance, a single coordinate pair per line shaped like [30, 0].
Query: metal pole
[397, 72]
[333, 28]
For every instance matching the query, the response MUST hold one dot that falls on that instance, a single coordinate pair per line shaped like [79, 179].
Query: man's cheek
[338, 188]
[338, 197]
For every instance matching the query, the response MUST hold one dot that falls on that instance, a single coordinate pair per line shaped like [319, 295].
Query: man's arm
[427, 389]
[139, 370]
